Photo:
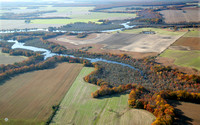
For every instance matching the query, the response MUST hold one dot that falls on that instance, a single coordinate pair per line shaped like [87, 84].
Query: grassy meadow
[78, 107]
[195, 33]
[184, 58]
[7, 59]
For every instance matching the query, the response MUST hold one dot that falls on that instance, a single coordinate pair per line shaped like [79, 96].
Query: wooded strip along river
[48, 53]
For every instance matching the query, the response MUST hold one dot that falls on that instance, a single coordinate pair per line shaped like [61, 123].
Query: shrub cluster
[139, 98]
[181, 95]
[105, 90]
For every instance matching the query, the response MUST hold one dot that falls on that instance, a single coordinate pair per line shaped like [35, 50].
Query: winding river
[47, 54]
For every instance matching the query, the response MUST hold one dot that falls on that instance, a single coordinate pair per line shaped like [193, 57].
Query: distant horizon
[74, 1]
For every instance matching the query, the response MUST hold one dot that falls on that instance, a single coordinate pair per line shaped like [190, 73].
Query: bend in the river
[47, 54]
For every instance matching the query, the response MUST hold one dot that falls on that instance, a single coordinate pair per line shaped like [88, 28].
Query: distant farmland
[184, 58]
[28, 98]
[77, 14]
[79, 108]
[7, 59]
[178, 16]
[190, 43]
[185, 51]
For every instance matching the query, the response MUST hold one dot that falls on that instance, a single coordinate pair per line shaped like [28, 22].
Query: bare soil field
[193, 43]
[30, 96]
[96, 47]
[7, 59]
[140, 42]
[121, 41]
[177, 16]
[186, 113]
[90, 39]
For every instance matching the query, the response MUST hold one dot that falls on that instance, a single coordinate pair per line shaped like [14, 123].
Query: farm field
[82, 13]
[72, 42]
[186, 113]
[187, 43]
[139, 42]
[158, 31]
[195, 33]
[184, 58]
[78, 107]
[177, 16]
[7, 59]
[90, 39]
[19, 24]
[28, 98]
[132, 42]
[100, 15]
[183, 52]
[124, 8]
[73, 12]
[78, 14]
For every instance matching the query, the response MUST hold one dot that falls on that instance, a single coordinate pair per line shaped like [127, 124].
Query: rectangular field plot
[178, 16]
[79, 108]
[20, 24]
[139, 42]
[190, 43]
[158, 31]
[192, 34]
[28, 98]
[184, 58]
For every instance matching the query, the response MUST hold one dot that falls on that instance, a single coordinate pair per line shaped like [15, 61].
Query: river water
[47, 54]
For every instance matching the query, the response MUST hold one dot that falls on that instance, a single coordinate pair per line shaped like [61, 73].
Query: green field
[157, 30]
[184, 58]
[78, 107]
[7, 59]
[192, 34]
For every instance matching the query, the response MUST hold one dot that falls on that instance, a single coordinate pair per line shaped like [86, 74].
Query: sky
[32, 0]
[71, 1]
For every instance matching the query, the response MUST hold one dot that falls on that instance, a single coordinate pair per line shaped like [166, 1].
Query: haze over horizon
[73, 1]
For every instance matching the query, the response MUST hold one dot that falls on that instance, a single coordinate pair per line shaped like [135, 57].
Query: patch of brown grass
[192, 42]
